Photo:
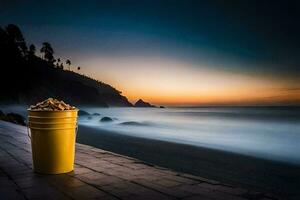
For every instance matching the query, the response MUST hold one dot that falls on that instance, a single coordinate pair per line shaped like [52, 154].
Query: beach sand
[231, 168]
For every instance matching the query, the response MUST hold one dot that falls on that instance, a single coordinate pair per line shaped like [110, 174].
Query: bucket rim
[52, 123]
[37, 117]
[74, 110]
[39, 128]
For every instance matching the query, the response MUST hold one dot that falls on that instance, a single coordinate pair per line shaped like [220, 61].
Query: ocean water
[265, 132]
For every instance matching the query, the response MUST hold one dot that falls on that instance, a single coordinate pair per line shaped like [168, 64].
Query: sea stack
[141, 103]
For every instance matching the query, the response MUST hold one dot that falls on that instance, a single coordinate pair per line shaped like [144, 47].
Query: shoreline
[231, 168]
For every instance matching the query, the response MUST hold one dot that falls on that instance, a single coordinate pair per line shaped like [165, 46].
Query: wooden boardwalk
[101, 174]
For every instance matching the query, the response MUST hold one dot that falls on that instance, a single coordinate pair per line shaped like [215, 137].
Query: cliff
[30, 81]
[27, 79]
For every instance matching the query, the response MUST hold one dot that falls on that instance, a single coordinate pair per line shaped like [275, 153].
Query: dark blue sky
[256, 32]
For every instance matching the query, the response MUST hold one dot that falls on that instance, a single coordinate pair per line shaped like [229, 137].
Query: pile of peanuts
[51, 104]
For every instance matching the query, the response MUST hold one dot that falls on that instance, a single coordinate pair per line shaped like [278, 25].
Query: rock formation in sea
[141, 103]
[106, 119]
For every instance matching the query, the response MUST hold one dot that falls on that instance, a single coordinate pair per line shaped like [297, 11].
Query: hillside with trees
[26, 78]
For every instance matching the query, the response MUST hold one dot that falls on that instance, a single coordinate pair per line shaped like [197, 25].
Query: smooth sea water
[265, 132]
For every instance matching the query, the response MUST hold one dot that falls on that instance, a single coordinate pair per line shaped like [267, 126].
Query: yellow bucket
[53, 137]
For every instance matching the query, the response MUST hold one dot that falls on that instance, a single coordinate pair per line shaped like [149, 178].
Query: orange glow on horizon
[168, 82]
[263, 97]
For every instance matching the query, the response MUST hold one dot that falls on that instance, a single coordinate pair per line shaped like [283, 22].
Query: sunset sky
[174, 52]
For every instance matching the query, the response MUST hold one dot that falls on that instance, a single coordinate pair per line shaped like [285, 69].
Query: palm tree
[32, 50]
[57, 62]
[47, 50]
[68, 62]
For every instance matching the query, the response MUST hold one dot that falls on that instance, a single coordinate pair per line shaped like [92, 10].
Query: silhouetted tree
[16, 37]
[61, 66]
[78, 68]
[47, 50]
[68, 62]
[32, 50]
[58, 62]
